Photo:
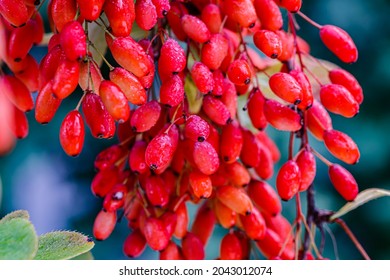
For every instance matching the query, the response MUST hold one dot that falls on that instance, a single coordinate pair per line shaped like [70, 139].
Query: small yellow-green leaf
[193, 96]
[362, 198]
[62, 245]
[18, 240]
[16, 214]
[98, 39]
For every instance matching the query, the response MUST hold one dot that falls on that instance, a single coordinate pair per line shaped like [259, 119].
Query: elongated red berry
[339, 42]
[172, 91]
[239, 72]
[72, 133]
[216, 110]
[172, 58]
[174, 19]
[211, 16]
[196, 128]
[155, 191]
[17, 92]
[265, 197]
[155, 234]
[145, 14]
[307, 165]
[288, 180]
[341, 146]
[346, 79]
[66, 78]
[265, 168]
[192, 247]
[214, 51]
[343, 181]
[204, 223]
[46, 104]
[62, 12]
[281, 117]
[307, 92]
[109, 156]
[269, 14]
[230, 248]
[115, 198]
[268, 42]
[195, 28]
[337, 99]
[231, 142]
[73, 40]
[225, 216]
[286, 87]
[120, 15]
[254, 225]
[292, 6]
[114, 100]
[235, 198]
[104, 224]
[241, 11]
[171, 252]
[20, 41]
[255, 108]
[90, 10]
[202, 77]
[100, 122]
[205, 157]
[15, 12]
[131, 56]
[318, 120]
[130, 85]
[145, 116]
[200, 184]
[134, 245]
[20, 125]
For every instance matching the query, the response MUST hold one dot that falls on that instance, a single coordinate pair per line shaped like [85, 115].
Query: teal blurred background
[55, 189]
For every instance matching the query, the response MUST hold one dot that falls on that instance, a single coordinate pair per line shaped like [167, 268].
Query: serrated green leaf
[16, 214]
[362, 198]
[18, 240]
[86, 256]
[62, 245]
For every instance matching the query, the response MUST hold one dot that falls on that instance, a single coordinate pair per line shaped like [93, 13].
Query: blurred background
[37, 176]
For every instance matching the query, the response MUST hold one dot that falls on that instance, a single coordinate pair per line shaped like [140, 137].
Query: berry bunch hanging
[172, 100]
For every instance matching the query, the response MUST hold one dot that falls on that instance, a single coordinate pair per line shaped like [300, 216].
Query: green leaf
[193, 96]
[362, 198]
[98, 38]
[62, 245]
[16, 214]
[85, 256]
[18, 240]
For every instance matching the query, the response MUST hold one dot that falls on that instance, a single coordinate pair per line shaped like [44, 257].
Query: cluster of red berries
[172, 101]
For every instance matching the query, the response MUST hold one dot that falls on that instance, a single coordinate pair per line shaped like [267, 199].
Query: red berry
[72, 133]
[73, 40]
[114, 100]
[255, 108]
[307, 165]
[343, 181]
[239, 72]
[66, 78]
[307, 93]
[268, 42]
[269, 14]
[337, 99]
[46, 104]
[104, 224]
[235, 198]
[120, 15]
[205, 157]
[155, 234]
[192, 247]
[341, 146]
[292, 6]
[202, 77]
[200, 184]
[14, 11]
[204, 223]
[346, 79]
[254, 225]
[339, 42]
[196, 128]
[145, 116]
[172, 91]
[134, 245]
[265, 197]
[115, 198]
[230, 248]
[231, 142]
[137, 157]
[155, 191]
[241, 11]
[17, 93]
[286, 87]
[214, 51]
[211, 16]
[62, 12]
[281, 117]
[90, 9]
[318, 120]
[195, 28]
[145, 14]
[288, 180]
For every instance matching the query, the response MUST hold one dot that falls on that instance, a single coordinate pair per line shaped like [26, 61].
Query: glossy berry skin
[281, 117]
[307, 165]
[346, 79]
[172, 58]
[241, 11]
[155, 191]
[20, 125]
[130, 85]
[155, 234]
[104, 225]
[286, 87]
[200, 184]
[115, 198]
[172, 91]
[108, 157]
[339, 42]
[134, 245]
[46, 104]
[216, 110]
[307, 92]
[235, 198]
[337, 99]
[195, 29]
[202, 77]
[204, 223]
[231, 142]
[62, 12]
[214, 51]
[20, 41]
[288, 180]
[15, 12]
[114, 100]
[343, 181]
[131, 56]
[100, 122]
[239, 72]
[196, 128]
[269, 14]
[268, 42]
[72, 133]
[171, 252]
[341, 146]
[66, 78]
[145, 14]
[292, 6]
[255, 107]
[145, 116]
[265, 197]
[211, 16]
[73, 40]
[120, 15]
[254, 225]
[318, 120]
[192, 247]
[230, 248]
[17, 92]
[205, 157]
[90, 9]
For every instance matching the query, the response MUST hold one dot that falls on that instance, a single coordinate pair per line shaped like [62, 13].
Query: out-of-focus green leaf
[97, 37]
[193, 96]
[362, 198]
[62, 245]
[85, 256]
[18, 240]
[16, 214]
